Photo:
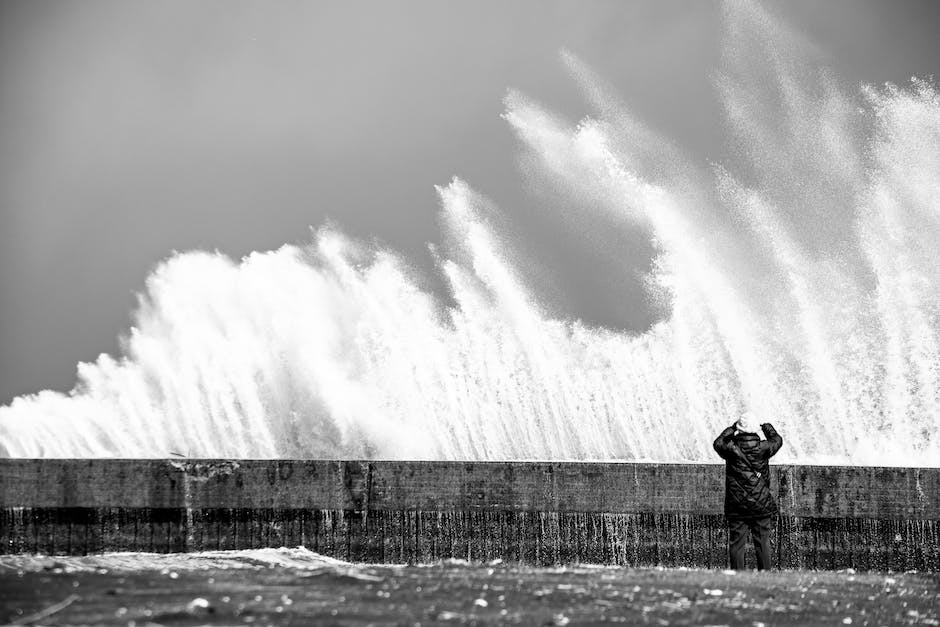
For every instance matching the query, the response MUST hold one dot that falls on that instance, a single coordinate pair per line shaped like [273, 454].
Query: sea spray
[801, 282]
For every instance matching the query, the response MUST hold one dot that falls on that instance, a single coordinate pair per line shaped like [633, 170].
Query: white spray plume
[802, 287]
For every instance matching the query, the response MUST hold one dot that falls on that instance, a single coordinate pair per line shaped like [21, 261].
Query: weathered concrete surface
[537, 512]
[817, 491]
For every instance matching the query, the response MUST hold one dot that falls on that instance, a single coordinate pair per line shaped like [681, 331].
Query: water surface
[296, 586]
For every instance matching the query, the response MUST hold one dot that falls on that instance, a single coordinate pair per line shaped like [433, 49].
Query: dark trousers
[759, 530]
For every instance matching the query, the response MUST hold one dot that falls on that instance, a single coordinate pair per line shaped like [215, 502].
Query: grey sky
[132, 129]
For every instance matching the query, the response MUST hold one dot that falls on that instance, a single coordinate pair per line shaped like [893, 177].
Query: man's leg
[737, 540]
[760, 536]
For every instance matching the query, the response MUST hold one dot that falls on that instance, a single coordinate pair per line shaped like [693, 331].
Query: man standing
[749, 505]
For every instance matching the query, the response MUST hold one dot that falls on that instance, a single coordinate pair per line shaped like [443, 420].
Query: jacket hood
[746, 439]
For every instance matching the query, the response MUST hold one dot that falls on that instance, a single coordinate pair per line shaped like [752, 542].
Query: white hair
[749, 423]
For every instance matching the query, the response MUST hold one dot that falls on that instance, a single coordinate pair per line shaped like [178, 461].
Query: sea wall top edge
[583, 462]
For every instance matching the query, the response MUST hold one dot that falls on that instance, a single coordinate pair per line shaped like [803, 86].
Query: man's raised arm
[774, 441]
[724, 445]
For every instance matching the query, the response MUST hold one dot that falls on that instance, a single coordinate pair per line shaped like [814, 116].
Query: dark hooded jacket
[747, 476]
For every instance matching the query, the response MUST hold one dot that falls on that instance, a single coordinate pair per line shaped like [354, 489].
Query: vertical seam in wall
[367, 506]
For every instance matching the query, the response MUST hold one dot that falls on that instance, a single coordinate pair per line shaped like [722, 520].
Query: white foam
[298, 558]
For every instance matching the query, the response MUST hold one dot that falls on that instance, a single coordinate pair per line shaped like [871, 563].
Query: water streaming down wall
[801, 283]
[420, 512]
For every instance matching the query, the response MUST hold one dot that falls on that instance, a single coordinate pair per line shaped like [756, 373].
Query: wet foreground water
[296, 586]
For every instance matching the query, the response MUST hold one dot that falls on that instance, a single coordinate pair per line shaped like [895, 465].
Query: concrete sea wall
[533, 512]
